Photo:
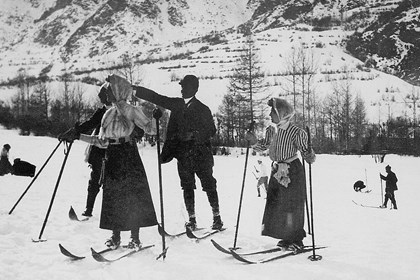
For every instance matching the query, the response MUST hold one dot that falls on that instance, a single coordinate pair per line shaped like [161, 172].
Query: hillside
[392, 43]
[63, 34]
[172, 38]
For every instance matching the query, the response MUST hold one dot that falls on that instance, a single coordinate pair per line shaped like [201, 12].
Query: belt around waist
[289, 160]
[120, 140]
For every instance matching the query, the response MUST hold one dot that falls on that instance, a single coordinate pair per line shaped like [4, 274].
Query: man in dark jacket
[189, 130]
[391, 186]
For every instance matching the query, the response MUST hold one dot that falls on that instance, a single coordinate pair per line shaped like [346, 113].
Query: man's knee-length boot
[189, 201]
[214, 203]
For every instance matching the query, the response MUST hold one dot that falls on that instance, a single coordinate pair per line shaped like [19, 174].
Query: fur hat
[282, 108]
[6, 146]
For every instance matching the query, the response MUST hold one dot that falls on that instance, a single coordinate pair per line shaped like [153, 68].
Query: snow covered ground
[363, 243]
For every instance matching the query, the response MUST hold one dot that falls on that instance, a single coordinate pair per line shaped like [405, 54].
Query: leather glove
[251, 138]
[69, 136]
[310, 158]
[137, 134]
[157, 113]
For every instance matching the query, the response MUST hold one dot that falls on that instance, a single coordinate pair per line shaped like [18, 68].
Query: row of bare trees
[337, 120]
[37, 109]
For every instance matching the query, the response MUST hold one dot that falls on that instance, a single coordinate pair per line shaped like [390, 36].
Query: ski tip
[240, 258]
[66, 253]
[98, 257]
[62, 249]
[72, 214]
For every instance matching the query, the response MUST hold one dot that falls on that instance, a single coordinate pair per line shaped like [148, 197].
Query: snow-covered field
[363, 243]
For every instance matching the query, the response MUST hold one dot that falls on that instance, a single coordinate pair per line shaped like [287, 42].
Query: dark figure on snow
[94, 155]
[284, 212]
[391, 187]
[189, 131]
[127, 203]
[5, 165]
[359, 186]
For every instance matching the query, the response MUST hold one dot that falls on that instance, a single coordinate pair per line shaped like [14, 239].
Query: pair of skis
[243, 257]
[190, 233]
[98, 256]
[368, 206]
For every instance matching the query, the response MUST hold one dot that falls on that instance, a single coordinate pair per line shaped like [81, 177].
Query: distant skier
[262, 176]
[5, 165]
[359, 186]
[391, 187]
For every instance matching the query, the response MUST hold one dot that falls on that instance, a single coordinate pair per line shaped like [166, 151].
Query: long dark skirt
[127, 203]
[284, 212]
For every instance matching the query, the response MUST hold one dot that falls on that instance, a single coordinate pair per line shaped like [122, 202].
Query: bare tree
[131, 71]
[359, 121]
[412, 101]
[247, 84]
[300, 71]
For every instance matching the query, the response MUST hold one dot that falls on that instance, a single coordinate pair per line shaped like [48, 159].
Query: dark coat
[5, 166]
[93, 124]
[391, 181]
[284, 213]
[189, 130]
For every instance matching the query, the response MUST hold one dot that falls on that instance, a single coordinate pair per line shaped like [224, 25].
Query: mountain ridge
[72, 35]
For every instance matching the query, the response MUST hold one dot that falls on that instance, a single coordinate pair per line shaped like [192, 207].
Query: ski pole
[242, 189]
[306, 201]
[36, 176]
[157, 114]
[382, 189]
[55, 192]
[366, 178]
[314, 257]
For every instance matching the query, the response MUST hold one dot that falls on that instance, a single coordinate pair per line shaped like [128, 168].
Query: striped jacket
[283, 144]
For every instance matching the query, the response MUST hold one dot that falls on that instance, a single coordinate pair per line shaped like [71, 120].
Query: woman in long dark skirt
[284, 210]
[127, 203]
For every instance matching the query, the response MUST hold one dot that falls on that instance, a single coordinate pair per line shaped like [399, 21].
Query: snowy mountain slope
[363, 243]
[174, 38]
[384, 94]
[52, 36]
[68, 31]
[392, 42]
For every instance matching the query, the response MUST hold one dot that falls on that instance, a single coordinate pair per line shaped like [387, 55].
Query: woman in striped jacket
[284, 210]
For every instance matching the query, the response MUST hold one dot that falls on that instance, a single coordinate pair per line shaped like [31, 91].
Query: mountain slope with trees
[349, 106]
[392, 43]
